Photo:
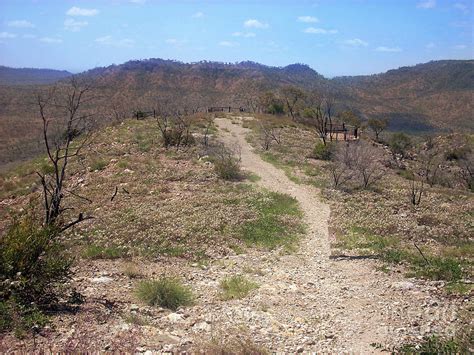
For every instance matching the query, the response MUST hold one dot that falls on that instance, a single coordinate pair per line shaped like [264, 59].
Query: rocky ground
[306, 301]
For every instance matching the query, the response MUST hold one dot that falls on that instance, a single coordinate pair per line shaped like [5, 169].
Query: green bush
[323, 151]
[33, 266]
[32, 263]
[400, 143]
[236, 287]
[432, 345]
[166, 292]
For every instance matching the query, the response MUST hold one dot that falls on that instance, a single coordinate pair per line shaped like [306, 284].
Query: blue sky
[335, 37]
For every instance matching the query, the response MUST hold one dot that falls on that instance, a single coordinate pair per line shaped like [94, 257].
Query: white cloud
[20, 24]
[320, 31]
[356, 42]
[110, 41]
[252, 23]
[426, 4]
[430, 45]
[7, 35]
[77, 11]
[228, 44]
[75, 26]
[140, 2]
[243, 34]
[388, 49]
[29, 36]
[51, 40]
[198, 14]
[308, 19]
[460, 46]
[462, 7]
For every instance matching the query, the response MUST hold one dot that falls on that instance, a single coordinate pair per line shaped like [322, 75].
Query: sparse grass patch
[166, 292]
[99, 165]
[278, 222]
[232, 342]
[99, 252]
[236, 287]
[135, 319]
[252, 177]
[287, 167]
[390, 249]
[132, 271]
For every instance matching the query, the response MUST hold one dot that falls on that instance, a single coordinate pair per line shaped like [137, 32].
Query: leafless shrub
[340, 168]
[269, 134]
[416, 191]
[67, 124]
[175, 128]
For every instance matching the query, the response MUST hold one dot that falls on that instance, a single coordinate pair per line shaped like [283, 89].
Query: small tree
[313, 115]
[292, 96]
[377, 126]
[399, 144]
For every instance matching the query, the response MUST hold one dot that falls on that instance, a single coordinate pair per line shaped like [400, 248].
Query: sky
[334, 37]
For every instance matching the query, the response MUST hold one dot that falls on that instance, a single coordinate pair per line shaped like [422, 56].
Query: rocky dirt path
[319, 303]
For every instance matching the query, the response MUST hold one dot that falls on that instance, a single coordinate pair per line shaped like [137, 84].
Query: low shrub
[32, 263]
[33, 270]
[226, 163]
[432, 345]
[166, 292]
[323, 151]
[236, 287]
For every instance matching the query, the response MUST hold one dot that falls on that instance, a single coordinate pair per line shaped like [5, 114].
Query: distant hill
[427, 97]
[430, 96]
[439, 94]
[30, 76]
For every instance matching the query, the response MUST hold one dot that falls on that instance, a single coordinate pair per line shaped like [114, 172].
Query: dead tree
[63, 110]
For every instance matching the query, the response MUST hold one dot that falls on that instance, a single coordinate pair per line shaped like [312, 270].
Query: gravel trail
[319, 303]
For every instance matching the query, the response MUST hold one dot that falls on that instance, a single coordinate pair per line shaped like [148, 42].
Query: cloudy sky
[335, 37]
